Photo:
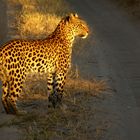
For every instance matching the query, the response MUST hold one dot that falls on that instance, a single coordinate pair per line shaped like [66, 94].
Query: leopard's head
[78, 26]
[73, 26]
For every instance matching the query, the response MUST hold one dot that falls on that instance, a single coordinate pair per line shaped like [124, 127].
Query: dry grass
[36, 85]
[58, 7]
[91, 87]
[37, 25]
[37, 18]
[71, 121]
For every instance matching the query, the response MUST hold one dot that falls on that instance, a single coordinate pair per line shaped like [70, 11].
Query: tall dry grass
[38, 18]
[37, 25]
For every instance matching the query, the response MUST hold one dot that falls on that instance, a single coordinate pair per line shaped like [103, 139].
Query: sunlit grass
[37, 25]
[87, 86]
[70, 121]
[38, 18]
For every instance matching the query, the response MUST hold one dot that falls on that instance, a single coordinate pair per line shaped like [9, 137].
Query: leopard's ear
[71, 17]
[67, 19]
[74, 15]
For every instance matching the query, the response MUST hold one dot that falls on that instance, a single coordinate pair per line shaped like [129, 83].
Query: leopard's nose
[85, 36]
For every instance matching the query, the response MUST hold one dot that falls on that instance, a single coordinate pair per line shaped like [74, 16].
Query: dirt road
[117, 50]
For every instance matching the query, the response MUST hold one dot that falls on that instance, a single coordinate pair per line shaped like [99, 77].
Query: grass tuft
[37, 18]
[37, 25]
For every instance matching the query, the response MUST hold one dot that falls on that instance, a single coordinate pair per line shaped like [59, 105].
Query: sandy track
[117, 51]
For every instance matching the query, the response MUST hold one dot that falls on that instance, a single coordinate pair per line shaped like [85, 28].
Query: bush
[38, 18]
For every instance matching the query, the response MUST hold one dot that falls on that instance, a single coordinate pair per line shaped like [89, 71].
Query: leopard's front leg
[57, 82]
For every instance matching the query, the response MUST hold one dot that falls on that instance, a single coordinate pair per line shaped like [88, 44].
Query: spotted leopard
[51, 56]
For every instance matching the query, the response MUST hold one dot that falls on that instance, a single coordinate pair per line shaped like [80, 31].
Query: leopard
[51, 55]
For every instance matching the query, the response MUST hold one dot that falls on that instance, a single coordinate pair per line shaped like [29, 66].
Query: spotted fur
[19, 58]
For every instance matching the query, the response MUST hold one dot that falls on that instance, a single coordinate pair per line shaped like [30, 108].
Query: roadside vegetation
[37, 18]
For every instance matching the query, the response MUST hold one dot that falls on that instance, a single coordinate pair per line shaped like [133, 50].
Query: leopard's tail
[3, 72]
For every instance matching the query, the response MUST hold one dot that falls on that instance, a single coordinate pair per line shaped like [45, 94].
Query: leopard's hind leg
[15, 90]
[5, 94]
[10, 95]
